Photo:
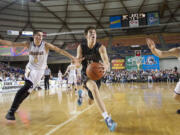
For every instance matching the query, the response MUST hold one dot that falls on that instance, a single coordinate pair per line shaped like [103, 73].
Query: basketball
[95, 71]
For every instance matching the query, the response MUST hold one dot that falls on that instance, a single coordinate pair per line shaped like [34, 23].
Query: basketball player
[72, 79]
[93, 51]
[38, 53]
[60, 78]
[162, 54]
[47, 76]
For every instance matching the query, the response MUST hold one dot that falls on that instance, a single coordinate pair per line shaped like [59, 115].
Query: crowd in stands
[142, 76]
[9, 73]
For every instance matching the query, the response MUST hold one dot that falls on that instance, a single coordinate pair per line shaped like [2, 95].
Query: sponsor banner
[1, 85]
[134, 23]
[20, 83]
[115, 21]
[9, 86]
[150, 62]
[153, 18]
[13, 83]
[118, 64]
[146, 62]
[131, 63]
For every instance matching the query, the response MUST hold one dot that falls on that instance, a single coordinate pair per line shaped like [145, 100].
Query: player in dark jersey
[92, 51]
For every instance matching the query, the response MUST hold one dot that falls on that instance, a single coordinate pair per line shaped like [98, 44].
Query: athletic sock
[105, 115]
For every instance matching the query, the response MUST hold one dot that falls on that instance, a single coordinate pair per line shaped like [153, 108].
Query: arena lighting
[27, 33]
[12, 32]
[34, 0]
[135, 47]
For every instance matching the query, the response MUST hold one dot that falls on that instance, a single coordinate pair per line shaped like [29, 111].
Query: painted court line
[66, 122]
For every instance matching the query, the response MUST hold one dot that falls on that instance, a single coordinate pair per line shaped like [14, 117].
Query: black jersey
[90, 54]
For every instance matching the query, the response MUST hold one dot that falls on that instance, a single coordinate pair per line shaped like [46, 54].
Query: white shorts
[72, 79]
[34, 76]
[60, 79]
[177, 89]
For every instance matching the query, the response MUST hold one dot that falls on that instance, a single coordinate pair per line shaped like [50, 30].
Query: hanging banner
[150, 62]
[115, 21]
[132, 63]
[153, 18]
[118, 64]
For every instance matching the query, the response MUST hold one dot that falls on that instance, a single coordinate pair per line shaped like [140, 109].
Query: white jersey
[72, 71]
[72, 74]
[59, 75]
[37, 56]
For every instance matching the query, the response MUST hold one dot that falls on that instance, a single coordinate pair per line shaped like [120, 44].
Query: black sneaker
[178, 111]
[10, 116]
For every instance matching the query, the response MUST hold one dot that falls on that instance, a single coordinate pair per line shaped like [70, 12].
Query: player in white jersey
[162, 54]
[38, 53]
[72, 76]
[60, 78]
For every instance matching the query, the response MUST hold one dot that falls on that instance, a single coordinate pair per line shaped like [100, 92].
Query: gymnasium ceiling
[58, 16]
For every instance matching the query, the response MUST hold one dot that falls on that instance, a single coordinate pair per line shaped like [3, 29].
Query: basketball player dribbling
[162, 54]
[93, 51]
[38, 53]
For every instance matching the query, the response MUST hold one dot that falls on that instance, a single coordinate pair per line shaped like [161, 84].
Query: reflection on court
[138, 108]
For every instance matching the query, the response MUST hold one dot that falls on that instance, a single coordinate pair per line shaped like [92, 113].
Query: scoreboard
[134, 20]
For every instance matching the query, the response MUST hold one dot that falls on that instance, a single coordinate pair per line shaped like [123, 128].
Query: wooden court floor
[138, 108]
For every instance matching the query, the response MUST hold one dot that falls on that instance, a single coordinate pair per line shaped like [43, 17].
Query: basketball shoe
[178, 111]
[10, 115]
[110, 123]
[79, 101]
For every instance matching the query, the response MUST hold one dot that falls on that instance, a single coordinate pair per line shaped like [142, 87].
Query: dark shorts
[84, 80]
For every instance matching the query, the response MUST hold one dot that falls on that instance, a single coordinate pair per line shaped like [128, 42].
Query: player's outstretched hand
[150, 43]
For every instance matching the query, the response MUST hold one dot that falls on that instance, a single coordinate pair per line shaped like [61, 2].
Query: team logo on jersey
[36, 53]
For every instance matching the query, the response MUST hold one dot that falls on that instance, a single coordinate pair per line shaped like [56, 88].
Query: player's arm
[58, 50]
[50, 74]
[14, 44]
[104, 56]
[79, 56]
[67, 71]
[79, 52]
[162, 54]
